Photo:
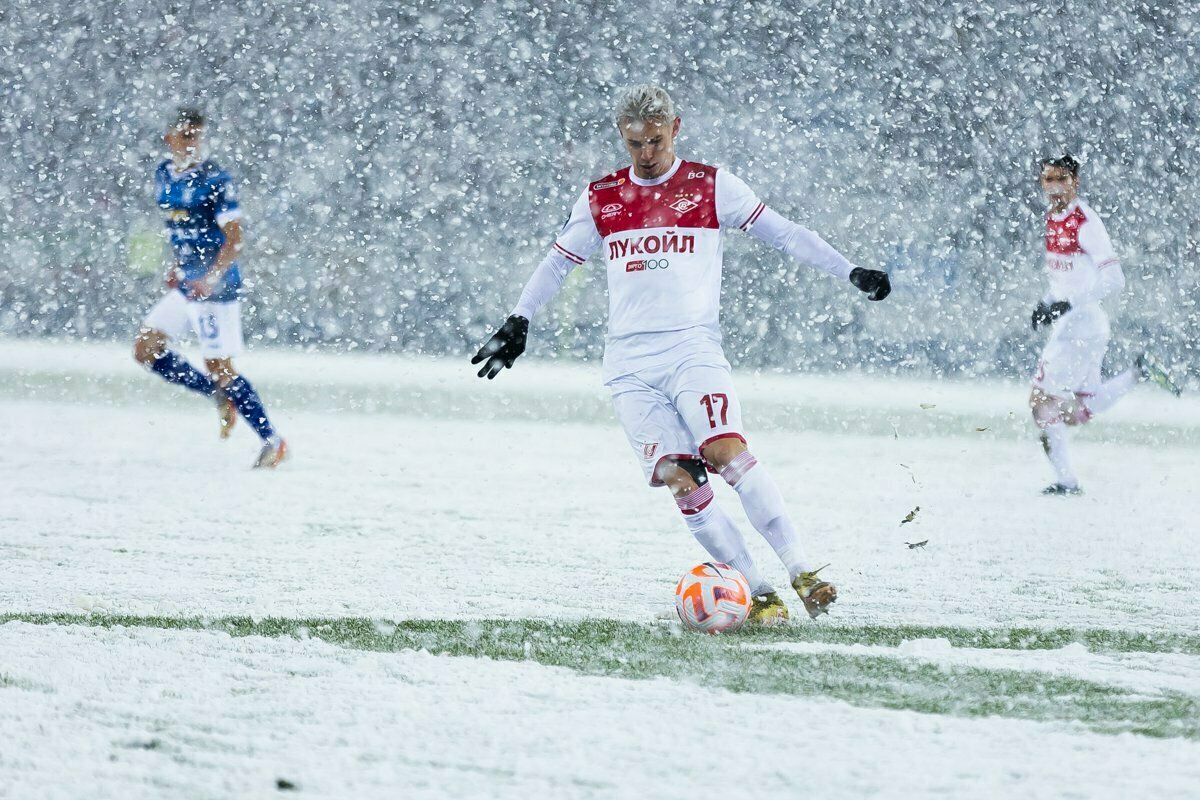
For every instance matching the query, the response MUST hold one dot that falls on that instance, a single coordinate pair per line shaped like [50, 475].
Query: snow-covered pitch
[455, 590]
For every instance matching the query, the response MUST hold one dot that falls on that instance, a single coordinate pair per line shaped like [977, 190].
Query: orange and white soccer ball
[712, 598]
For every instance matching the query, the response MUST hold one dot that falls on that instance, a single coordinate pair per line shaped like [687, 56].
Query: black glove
[872, 281]
[504, 347]
[1045, 315]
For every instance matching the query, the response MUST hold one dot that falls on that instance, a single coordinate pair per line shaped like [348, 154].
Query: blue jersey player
[202, 219]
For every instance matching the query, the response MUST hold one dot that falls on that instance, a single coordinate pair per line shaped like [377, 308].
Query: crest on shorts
[649, 449]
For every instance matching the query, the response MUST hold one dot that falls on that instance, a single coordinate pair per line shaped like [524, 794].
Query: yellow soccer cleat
[816, 594]
[767, 609]
[1149, 369]
[227, 413]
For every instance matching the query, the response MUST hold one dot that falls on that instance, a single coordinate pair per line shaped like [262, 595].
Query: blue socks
[249, 406]
[177, 370]
[239, 390]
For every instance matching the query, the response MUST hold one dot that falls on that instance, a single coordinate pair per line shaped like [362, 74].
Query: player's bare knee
[1046, 409]
[723, 451]
[681, 476]
[148, 346]
[220, 370]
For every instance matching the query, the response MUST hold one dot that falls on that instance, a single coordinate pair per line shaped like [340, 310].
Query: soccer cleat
[767, 609]
[1061, 490]
[227, 412]
[1151, 370]
[816, 594]
[273, 452]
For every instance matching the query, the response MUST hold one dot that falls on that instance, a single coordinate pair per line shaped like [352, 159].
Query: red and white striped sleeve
[1094, 241]
[737, 204]
[578, 238]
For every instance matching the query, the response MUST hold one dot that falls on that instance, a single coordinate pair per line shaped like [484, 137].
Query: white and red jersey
[1078, 251]
[662, 241]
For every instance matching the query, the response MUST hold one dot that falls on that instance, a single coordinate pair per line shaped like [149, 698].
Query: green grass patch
[628, 650]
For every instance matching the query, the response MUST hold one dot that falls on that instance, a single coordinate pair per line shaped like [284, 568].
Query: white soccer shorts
[1072, 357]
[218, 326]
[676, 410]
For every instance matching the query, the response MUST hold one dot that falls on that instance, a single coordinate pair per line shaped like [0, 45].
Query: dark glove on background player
[1045, 315]
[874, 282]
[504, 347]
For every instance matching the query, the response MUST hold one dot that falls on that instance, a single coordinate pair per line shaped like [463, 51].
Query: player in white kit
[1083, 270]
[660, 224]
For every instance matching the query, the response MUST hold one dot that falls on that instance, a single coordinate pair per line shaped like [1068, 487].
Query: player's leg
[1048, 416]
[219, 328]
[1098, 396]
[1146, 368]
[663, 447]
[166, 321]
[1067, 374]
[706, 400]
[221, 371]
[686, 478]
[1104, 395]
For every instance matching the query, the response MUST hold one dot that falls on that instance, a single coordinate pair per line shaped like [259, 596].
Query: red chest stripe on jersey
[687, 200]
[1062, 235]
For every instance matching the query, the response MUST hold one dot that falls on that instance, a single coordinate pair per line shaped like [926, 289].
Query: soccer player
[1084, 270]
[204, 229]
[661, 223]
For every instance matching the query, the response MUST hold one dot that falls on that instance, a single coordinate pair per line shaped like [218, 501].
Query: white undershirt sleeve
[543, 284]
[737, 204]
[800, 243]
[1094, 240]
[577, 240]
[1111, 281]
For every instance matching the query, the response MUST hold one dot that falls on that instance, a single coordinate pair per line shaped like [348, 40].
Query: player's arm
[228, 215]
[738, 206]
[1093, 239]
[577, 240]
[174, 273]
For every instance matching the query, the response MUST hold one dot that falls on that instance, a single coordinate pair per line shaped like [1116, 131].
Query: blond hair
[646, 102]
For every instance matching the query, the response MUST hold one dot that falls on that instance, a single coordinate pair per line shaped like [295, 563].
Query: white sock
[720, 537]
[1111, 391]
[1054, 442]
[766, 510]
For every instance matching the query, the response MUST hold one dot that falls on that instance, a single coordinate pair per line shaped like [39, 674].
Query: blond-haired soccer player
[660, 224]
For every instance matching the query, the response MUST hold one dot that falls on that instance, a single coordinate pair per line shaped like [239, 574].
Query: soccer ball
[712, 598]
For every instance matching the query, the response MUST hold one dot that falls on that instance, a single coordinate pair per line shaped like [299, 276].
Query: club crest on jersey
[178, 215]
[610, 184]
[649, 449]
[683, 205]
